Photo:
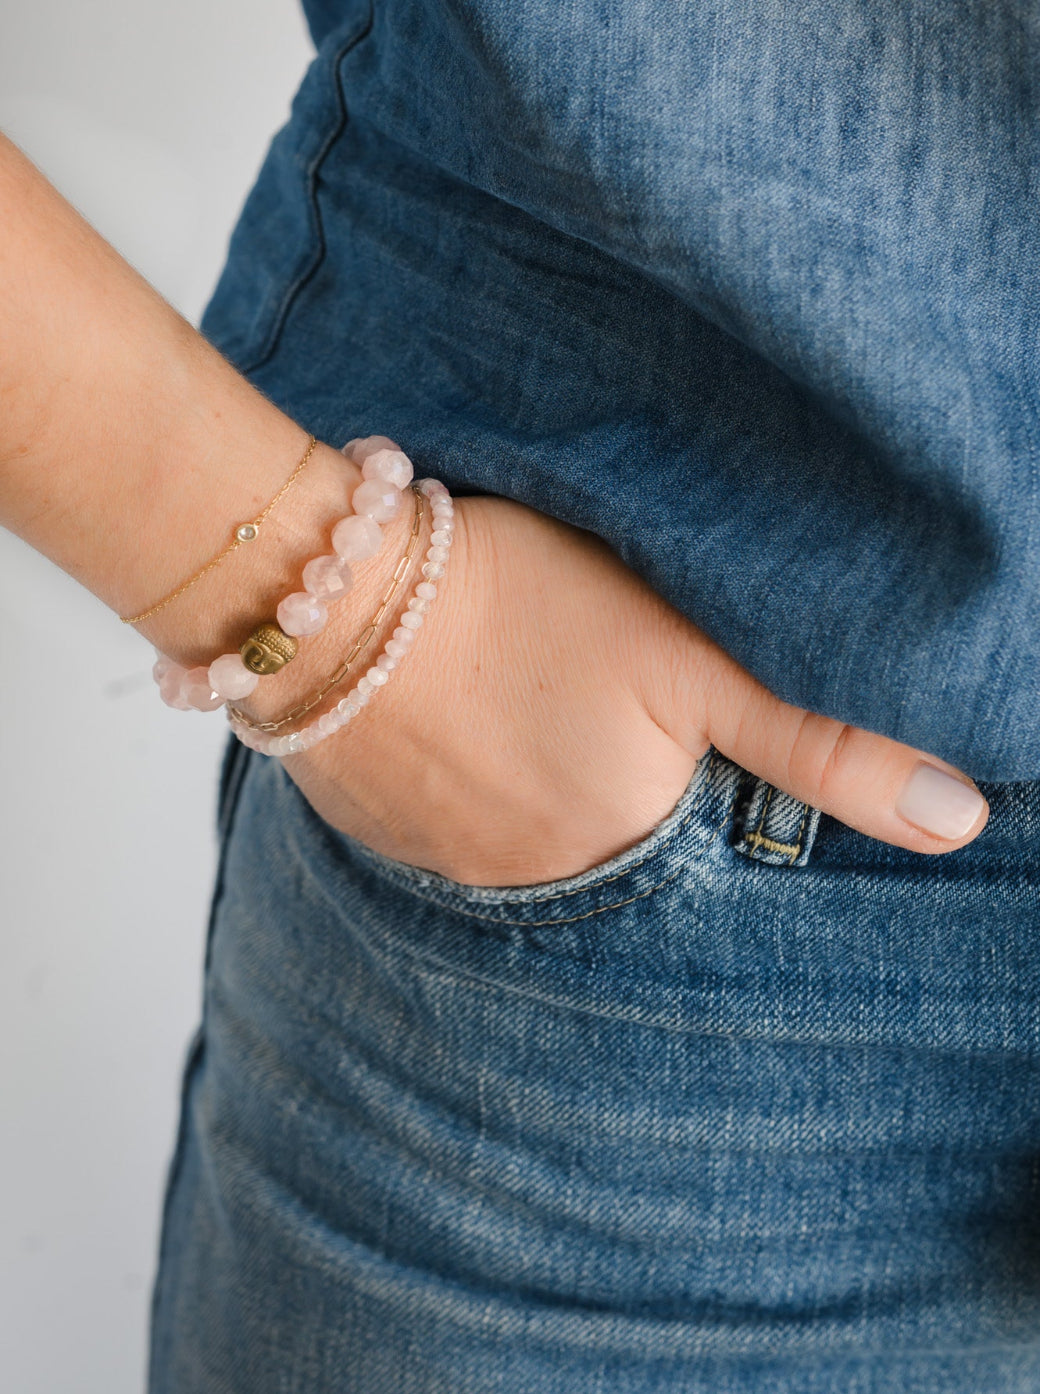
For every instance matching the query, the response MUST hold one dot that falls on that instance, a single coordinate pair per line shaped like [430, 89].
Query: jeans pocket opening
[628, 875]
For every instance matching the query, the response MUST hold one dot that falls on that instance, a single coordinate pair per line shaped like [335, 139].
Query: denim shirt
[746, 287]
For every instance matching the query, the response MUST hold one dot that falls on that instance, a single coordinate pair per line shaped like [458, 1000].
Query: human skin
[553, 707]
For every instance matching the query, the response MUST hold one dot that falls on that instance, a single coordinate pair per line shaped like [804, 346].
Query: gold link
[244, 532]
[361, 642]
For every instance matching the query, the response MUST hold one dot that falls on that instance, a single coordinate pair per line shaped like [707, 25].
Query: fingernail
[938, 803]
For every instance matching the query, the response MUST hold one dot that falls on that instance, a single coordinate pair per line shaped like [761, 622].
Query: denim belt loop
[771, 826]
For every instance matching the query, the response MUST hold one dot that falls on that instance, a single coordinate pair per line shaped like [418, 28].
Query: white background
[152, 118]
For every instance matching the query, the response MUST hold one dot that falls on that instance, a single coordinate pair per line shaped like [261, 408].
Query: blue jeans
[754, 1107]
[751, 1108]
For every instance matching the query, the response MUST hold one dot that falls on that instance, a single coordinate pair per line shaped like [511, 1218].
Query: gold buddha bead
[268, 649]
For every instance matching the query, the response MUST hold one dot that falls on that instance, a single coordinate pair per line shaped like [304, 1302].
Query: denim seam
[572, 919]
[792, 850]
[593, 886]
[297, 284]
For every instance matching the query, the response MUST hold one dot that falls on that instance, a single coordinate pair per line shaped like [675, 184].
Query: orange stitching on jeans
[765, 810]
[789, 849]
[801, 829]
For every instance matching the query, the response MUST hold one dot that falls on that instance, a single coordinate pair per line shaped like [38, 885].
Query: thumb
[877, 786]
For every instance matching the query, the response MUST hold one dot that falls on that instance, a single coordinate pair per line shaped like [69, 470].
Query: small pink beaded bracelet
[396, 647]
[386, 472]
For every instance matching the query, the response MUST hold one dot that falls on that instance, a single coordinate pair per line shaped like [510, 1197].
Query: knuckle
[818, 761]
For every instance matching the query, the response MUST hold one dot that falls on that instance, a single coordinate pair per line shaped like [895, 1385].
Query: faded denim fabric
[747, 287]
[754, 1106]
[689, 1123]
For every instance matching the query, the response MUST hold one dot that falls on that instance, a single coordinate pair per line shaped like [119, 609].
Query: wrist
[322, 654]
[217, 614]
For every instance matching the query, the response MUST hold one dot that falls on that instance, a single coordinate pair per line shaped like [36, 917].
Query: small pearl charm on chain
[385, 473]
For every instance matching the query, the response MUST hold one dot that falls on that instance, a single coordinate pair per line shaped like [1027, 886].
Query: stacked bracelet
[386, 472]
[395, 649]
[244, 532]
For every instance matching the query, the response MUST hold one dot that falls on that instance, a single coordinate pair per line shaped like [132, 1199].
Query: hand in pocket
[553, 710]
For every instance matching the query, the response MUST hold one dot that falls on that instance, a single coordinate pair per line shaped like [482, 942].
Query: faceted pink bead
[390, 466]
[356, 538]
[301, 614]
[430, 487]
[171, 685]
[198, 692]
[395, 649]
[161, 666]
[359, 450]
[229, 676]
[426, 590]
[410, 620]
[327, 578]
[376, 499]
[387, 661]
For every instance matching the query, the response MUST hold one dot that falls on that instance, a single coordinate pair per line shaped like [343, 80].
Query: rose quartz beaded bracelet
[386, 473]
[395, 649]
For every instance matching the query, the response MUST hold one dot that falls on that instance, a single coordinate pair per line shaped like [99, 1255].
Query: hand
[553, 710]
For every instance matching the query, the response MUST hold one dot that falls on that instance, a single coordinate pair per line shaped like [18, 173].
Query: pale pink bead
[355, 538]
[377, 500]
[364, 687]
[431, 487]
[386, 661]
[404, 636]
[359, 697]
[327, 578]
[376, 676]
[433, 570]
[162, 666]
[301, 614]
[229, 676]
[198, 692]
[410, 620]
[171, 687]
[360, 449]
[389, 466]
[419, 605]
[437, 553]
[426, 590]
[441, 537]
[443, 515]
[346, 709]
[328, 724]
[395, 649]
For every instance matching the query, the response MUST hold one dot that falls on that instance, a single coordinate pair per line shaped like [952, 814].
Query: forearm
[129, 447]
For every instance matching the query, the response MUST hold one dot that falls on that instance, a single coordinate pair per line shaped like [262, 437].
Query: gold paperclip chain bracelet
[360, 643]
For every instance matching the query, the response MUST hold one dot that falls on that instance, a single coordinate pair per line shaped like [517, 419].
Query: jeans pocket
[627, 876]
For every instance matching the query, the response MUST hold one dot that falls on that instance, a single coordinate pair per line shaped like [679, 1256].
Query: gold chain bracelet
[360, 643]
[244, 532]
